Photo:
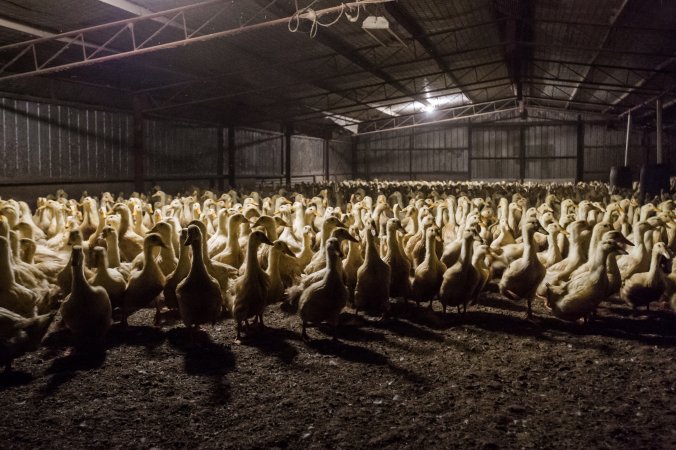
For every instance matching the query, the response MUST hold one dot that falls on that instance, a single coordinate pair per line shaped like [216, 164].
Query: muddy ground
[493, 380]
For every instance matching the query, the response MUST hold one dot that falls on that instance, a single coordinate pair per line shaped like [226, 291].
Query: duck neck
[273, 264]
[326, 233]
[392, 241]
[223, 225]
[6, 272]
[271, 231]
[113, 252]
[371, 249]
[529, 244]
[233, 232]
[125, 219]
[148, 258]
[553, 247]
[600, 259]
[654, 264]
[252, 257]
[79, 282]
[430, 249]
[466, 249]
[198, 267]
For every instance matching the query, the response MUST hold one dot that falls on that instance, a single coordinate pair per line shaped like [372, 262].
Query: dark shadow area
[135, 335]
[504, 323]
[650, 330]
[503, 303]
[14, 378]
[65, 368]
[203, 357]
[407, 329]
[275, 342]
[347, 352]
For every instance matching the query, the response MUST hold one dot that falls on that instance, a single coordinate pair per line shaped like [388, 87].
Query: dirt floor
[493, 380]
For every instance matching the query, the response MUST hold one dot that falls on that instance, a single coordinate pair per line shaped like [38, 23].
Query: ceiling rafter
[603, 42]
[348, 52]
[412, 27]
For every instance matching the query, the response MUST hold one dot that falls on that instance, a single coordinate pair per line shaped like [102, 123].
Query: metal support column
[326, 160]
[220, 157]
[138, 146]
[288, 132]
[232, 152]
[411, 143]
[469, 152]
[522, 152]
[579, 170]
[353, 160]
[626, 143]
[660, 150]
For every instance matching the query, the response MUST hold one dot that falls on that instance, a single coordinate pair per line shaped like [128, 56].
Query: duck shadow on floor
[204, 357]
[274, 342]
[14, 378]
[649, 330]
[66, 367]
[349, 352]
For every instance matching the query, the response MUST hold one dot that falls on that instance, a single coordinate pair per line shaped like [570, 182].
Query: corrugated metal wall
[51, 143]
[426, 154]
[173, 148]
[494, 153]
[340, 159]
[550, 152]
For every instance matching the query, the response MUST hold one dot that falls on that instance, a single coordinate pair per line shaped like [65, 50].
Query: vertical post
[288, 131]
[660, 153]
[579, 170]
[138, 146]
[522, 152]
[411, 143]
[626, 143]
[469, 152]
[354, 162]
[326, 160]
[232, 154]
[220, 158]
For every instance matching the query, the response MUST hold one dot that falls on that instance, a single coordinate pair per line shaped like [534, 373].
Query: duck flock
[323, 248]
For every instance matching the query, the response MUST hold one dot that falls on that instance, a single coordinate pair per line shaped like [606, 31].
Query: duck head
[154, 240]
[282, 247]
[661, 249]
[342, 234]
[76, 256]
[258, 237]
[192, 234]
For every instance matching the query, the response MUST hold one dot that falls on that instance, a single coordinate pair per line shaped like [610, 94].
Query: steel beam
[40, 33]
[412, 27]
[348, 52]
[604, 41]
[439, 116]
[159, 40]
[663, 65]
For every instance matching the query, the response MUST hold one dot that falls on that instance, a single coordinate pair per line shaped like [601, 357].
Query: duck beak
[667, 254]
[623, 240]
[266, 240]
[288, 252]
[620, 251]
[349, 237]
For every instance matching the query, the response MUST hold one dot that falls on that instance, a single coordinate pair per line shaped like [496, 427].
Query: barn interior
[484, 139]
